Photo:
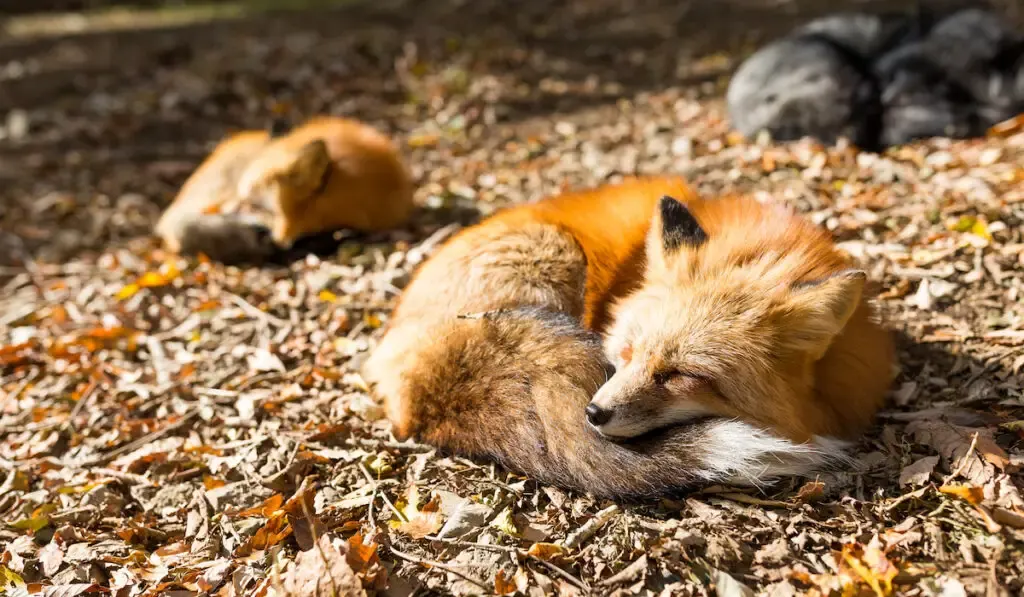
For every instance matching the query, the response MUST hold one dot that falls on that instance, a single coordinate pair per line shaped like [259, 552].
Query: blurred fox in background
[260, 191]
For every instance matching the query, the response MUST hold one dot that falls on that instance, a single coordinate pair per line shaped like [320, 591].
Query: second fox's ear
[312, 161]
[278, 127]
[678, 226]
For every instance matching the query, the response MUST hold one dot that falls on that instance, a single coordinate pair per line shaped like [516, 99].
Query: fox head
[719, 327]
[287, 180]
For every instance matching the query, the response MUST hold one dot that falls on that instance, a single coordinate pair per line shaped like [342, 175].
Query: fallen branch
[574, 539]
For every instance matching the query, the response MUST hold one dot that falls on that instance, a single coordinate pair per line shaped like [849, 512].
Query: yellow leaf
[79, 488]
[964, 224]
[417, 523]
[372, 321]
[40, 519]
[971, 495]
[380, 464]
[128, 291]
[981, 229]
[870, 566]
[10, 578]
[151, 279]
[327, 296]
[423, 140]
[504, 523]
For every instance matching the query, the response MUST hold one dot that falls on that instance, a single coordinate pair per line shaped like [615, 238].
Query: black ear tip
[678, 225]
[278, 126]
[669, 203]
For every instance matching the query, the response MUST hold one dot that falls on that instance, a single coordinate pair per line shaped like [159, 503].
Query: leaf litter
[175, 426]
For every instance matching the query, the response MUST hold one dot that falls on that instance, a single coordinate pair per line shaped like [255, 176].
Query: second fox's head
[287, 179]
[722, 324]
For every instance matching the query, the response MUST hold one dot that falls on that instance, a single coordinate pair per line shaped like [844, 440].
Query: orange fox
[330, 173]
[740, 344]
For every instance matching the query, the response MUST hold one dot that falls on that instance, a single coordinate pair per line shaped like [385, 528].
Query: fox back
[328, 174]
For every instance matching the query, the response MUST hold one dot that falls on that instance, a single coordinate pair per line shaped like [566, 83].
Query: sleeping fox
[634, 340]
[260, 191]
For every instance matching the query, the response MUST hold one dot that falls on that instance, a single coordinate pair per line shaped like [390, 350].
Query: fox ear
[311, 162]
[678, 226]
[277, 127]
[673, 228]
[821, 309]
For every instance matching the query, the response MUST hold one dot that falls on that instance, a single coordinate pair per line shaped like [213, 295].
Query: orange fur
[492, 350]
[765, 322]
[327, 174]
[610, 224]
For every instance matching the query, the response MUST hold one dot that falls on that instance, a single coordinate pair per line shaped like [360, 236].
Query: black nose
[597, 415]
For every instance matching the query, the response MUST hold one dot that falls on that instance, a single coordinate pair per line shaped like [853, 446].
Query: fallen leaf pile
[173, 426]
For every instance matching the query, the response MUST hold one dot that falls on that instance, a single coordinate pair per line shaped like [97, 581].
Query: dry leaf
[918, 472]
[727, 586]
[322, 572]
[868, 565]
[301, 514]
[972, 495]
[51, 556]
[549, 552]
[502, 585]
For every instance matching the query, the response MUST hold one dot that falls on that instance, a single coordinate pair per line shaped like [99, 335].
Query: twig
[432, 564]
[963, 461]
[373, 483]
[158, 358]
[400, 446]
[80, 405]
[569, 578]
[254, 312]
[128, 478]
[753, 501]
[907, 496]
[586, 531]
[142, 441]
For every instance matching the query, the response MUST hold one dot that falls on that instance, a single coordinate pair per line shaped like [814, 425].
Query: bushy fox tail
[228, 238]
[512, 386]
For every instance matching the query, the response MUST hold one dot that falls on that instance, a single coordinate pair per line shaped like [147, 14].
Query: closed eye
[663, 377]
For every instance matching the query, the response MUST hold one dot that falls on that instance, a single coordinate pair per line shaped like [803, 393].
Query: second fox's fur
[494, 349]
[256, 194]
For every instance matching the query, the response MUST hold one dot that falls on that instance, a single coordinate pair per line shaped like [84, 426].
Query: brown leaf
[273, 532]
[322, 571]
[812, 491]
[299, 509]
[918, 472]
[72, 590]
[365, 561]
[953, 443]
[549, 552]
[269, 506]
[502, 585]
[1008, 518]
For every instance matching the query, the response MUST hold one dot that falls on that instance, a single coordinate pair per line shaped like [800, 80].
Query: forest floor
[174, 426]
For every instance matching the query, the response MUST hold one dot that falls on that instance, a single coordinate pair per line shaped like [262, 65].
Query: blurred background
[106, 105]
